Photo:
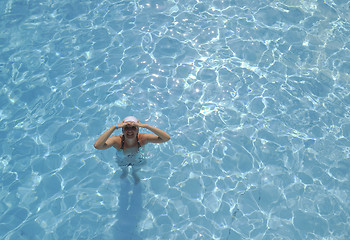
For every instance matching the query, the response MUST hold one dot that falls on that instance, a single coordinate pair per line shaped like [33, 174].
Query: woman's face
[130, 131]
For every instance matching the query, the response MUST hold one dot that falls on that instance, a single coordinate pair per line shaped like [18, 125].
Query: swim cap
[131, 119]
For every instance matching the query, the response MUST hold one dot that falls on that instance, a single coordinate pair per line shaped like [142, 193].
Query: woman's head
[131, 119]
[130, 131]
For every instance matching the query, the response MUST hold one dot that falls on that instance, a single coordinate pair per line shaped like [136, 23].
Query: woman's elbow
[162, 139]
[167, 138]
[97, 146]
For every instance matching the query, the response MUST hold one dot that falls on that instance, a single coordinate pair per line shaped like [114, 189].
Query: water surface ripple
[255, 95]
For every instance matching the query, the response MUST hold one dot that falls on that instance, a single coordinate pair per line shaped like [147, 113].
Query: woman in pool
[130, 142]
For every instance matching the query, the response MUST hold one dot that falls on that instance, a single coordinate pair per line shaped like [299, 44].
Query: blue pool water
[255, 95]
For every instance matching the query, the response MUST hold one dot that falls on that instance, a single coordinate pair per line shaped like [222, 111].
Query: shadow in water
[129, 212]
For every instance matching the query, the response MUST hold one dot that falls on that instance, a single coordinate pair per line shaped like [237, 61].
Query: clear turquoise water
[255, 95]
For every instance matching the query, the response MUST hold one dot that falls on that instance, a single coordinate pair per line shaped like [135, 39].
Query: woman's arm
[160, 136]
[105, 141]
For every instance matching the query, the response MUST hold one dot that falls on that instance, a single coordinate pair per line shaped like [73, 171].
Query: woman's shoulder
[142, 138]
[117, 141]
[117, 137]
[145, 138]
[145, 135]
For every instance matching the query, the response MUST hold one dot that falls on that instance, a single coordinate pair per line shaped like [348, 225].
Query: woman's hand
[138, 124]
[130, 124]
[122, 124]
[159, 137]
